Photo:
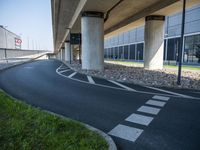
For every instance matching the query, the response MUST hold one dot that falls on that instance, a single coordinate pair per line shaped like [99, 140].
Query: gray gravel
[138, 75]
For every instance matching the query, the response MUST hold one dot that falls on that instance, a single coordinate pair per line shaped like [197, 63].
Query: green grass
[184, 67]
[140, 64]
[23, 127]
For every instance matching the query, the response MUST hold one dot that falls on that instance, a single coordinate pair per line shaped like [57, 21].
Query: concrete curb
[108, 139]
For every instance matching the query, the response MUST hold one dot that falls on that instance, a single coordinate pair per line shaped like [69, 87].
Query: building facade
[130, 45]
[9, 40]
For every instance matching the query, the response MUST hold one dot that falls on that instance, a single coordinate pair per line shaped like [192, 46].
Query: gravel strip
[138, 75]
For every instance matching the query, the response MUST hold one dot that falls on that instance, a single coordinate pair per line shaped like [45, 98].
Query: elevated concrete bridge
[99, 19]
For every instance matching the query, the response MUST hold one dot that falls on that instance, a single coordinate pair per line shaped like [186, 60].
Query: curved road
[136, 117]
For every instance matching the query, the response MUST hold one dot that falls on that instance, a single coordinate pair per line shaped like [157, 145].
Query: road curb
[106, 137]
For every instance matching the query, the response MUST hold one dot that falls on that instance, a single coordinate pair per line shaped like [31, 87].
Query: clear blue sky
[31, 19]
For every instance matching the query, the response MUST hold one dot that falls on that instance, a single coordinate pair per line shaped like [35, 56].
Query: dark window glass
[126, 52]
[192, 49]
[132, 52]
[140, 51]
[165, 50]
[116, 53]
[109, 53]
[112, 53]
[172, 49]
[121, 53]
[105, 53]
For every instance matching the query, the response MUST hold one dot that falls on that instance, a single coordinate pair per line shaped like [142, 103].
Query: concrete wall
[13, 53]
[7, 39]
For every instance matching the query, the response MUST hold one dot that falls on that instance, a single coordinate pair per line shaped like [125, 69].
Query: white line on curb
[64, 70]
[182, 95]
[121, 85]
[90, 80]
[73, 74]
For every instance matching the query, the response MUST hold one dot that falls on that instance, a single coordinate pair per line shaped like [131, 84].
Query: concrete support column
[60, 54]
[72, 52]
[92, 40]
[63, 54]
[67, 51]
[154, 42]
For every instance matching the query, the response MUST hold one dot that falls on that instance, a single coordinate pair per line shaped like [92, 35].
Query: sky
[30, 19]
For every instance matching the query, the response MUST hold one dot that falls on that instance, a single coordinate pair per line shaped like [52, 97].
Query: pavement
[136, 117]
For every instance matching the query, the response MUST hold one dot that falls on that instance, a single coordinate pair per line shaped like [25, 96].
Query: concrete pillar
[63, 54]
[154, 42]
[67, 51]
[72, 52]
[57, 55]
[92, 40]
[60, 54]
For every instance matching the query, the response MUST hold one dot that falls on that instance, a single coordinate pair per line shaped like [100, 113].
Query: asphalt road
[137, 118]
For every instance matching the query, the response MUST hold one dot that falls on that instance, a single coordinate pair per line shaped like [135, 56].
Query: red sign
[18, 43]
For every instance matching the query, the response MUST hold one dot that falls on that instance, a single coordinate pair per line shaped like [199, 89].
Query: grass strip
[141, 64]
[27, 128]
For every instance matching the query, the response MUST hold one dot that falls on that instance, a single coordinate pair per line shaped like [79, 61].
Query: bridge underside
[127, 14]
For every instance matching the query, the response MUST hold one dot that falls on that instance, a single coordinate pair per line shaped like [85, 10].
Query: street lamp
[181, 45]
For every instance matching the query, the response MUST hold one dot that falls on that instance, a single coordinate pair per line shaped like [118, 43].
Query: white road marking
[64, 70]
[139, 119]
[126, 132]
[90, 80]
[148, 109]
[71, 75]
[106, 86]
[156, 103]
[163, 98]
[169, 92]
[121, 85]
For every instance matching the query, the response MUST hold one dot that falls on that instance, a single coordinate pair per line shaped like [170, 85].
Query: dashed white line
[71, 75]
[169, 92]
[121, 85]
[156, 103]
[163, 98]
[149, 110]
[90, 80]
[139, 119]
[64, 70]
[126, 132]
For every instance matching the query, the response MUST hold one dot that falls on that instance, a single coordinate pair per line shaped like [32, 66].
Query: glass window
[140, 51]
[189, 49]
[132, 51]
[121, 52]
[126, 52]
[116, 53]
